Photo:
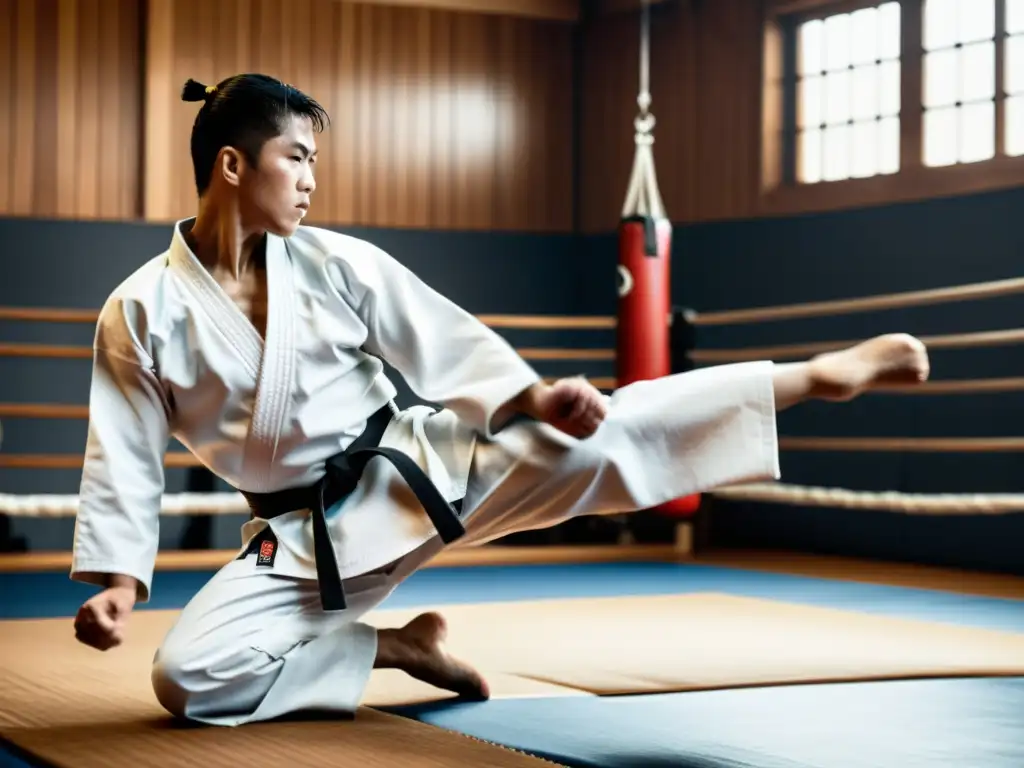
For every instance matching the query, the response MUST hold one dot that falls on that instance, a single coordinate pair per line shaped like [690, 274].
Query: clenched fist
[101, 620]
[575, 406]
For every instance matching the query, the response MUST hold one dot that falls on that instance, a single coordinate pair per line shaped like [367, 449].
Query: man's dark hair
[244, 112]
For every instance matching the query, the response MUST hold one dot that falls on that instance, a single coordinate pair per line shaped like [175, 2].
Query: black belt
[341, 478]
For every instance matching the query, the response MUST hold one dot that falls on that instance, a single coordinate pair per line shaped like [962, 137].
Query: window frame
[780, 191]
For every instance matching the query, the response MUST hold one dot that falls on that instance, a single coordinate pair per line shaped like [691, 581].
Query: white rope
[883, 501]
[52, 506]
[643, 198]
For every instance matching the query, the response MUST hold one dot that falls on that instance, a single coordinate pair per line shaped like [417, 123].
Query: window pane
[889, 145]
[1014, 16]
[812, 37]
[837, 42]
[940, 137]
[809, 157]
[1015, 64]
[837, 97]
[978, 71]
[889, 87]
[977, 132]
[864, 146]
[1015, 126]
[977, 20]
[864, 36]
[888, 25]
[940, 27]
[811, 114]
[864, 101]
[854, 94]
[941, 84]
[837, 153]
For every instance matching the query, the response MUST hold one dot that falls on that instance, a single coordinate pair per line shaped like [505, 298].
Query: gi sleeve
[445, 354]
[117, 524]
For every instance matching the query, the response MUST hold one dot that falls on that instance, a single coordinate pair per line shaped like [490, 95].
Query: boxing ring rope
[188, 504]
[796, 351]
[541, 322]
[970, 292]
[879, 501]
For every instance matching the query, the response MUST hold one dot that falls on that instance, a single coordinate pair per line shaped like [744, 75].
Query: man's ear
[231, 164]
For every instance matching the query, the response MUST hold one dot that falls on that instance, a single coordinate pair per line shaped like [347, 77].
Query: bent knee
[221, 680]
[195, 682]
[171, 680]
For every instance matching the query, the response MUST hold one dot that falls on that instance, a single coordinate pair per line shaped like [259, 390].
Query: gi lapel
[271, 364]
[224, 315]
[277, 373]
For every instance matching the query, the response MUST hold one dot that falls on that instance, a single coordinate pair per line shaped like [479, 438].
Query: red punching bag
[645, 303]
[645, 244]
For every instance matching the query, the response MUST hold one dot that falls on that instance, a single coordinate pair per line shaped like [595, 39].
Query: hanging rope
[643, 197]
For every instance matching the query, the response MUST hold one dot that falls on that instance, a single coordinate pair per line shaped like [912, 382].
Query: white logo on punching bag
[625, 281]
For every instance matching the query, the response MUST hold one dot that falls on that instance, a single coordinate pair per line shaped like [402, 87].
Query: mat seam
[469, 736]
[503, 746]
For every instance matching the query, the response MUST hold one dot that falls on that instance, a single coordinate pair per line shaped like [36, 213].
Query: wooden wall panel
[706, 89]
[69, 108]
[439, 119]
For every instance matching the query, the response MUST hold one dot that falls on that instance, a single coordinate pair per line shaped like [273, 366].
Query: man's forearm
[528, 402]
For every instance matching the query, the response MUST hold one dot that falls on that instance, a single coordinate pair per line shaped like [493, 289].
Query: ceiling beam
[608, 7]
[551, 10]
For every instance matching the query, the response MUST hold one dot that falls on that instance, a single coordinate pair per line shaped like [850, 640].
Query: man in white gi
[258, 343]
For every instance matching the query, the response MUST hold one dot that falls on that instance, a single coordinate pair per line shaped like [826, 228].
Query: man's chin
[284, 228]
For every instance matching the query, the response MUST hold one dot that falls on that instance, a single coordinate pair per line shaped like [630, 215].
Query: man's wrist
[121, 581]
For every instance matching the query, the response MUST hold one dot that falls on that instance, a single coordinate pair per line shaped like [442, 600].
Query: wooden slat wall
[705, 84]
[440, 119]
[69, 108]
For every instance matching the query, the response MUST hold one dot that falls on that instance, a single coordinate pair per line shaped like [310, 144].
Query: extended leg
[668, 438]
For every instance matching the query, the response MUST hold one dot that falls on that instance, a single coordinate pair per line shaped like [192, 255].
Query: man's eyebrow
[304, 149]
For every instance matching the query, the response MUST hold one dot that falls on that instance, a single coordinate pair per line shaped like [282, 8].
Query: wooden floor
[488, 555]
[893, 574]
[872, 572]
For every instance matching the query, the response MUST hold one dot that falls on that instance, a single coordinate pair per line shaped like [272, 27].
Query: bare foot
[418, 650]
[893, 359]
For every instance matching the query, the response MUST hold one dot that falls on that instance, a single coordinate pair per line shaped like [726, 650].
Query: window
[1014, 78]
[959, 81]
[848, 95]
[851, 66]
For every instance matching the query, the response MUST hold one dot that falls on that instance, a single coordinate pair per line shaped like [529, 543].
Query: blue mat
[42, 595]
[962, 723]
[919, 724]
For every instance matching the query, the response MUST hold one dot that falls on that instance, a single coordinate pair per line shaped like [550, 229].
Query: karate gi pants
[253, 646]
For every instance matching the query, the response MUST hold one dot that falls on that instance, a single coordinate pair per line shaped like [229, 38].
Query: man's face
[275, 195]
